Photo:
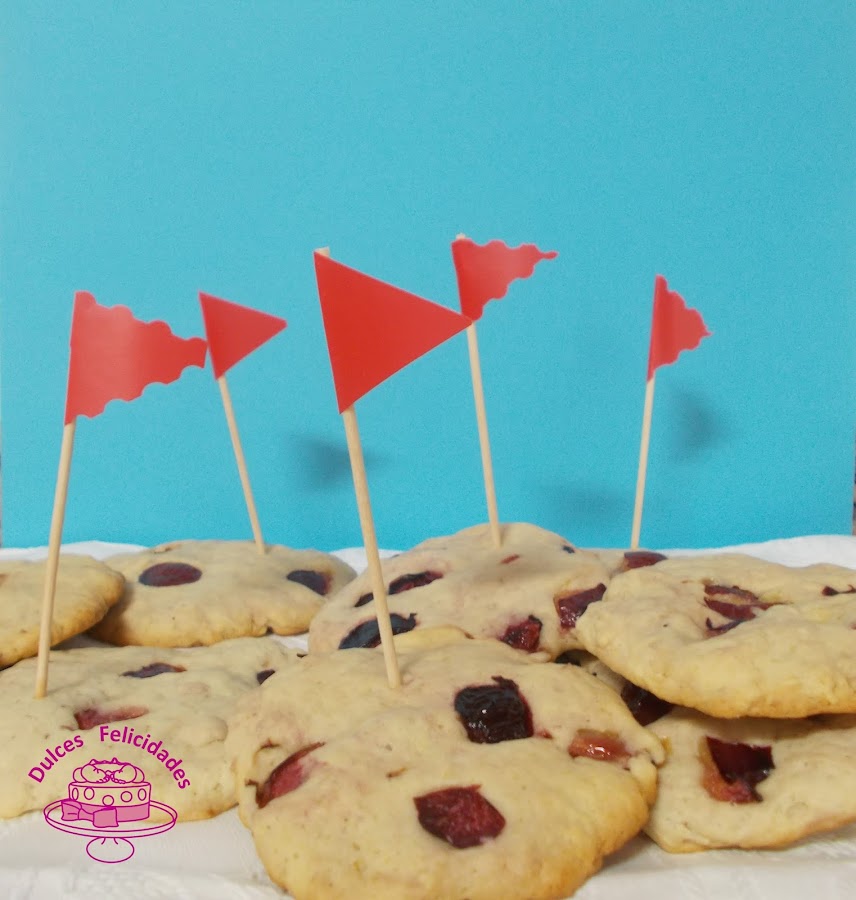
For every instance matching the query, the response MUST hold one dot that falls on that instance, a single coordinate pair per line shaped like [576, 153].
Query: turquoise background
[150, 150]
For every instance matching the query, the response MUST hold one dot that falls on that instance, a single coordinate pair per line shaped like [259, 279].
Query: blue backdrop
[150, 150]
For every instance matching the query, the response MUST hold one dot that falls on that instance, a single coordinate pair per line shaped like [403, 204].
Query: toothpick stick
[643, 463]
[361, 488]
[484, 440]
[242, 464]
[54, 544]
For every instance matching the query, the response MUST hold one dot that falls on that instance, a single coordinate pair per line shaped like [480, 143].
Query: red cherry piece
[568, 548]
[491, 713]
[736, 604]
[733, 593]
[152, 669]
[460, 816]
[523, 635]
[263, 676]
[315, 581]
[600, 745]
[367, 634]
[401, 584]
[832, 592]
[644, 706]
[510, 559]
[637, 559]
[733, 769]
[571, 606]
[286, 777]
[169, 574]
[89, 717]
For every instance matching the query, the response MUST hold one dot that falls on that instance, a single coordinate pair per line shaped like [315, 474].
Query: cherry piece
[263, 676]
[169, 574]
[735, 612]
[601, 745]
[89, 717]
[286, 777]
[734, 769]
[315, 581]
[832, 592]
[571, 606]
[152, 669]
[523, 635]
[736, 593]
[491, 713]
[644, 706]
[460, 816]
[637, 559]
[568, 548]
[510, 559]
[367, 634]
[403, 583]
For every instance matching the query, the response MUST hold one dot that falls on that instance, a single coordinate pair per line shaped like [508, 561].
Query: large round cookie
[489, 774]
[105, 701]
[528, 592]
[731, 635]
[85, 591]
[189, 593]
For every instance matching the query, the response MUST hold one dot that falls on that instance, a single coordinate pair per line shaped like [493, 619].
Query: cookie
[489, 773]
[192, 593]
[527, 593]
[163, 711]
[731, 635]
[85, 591]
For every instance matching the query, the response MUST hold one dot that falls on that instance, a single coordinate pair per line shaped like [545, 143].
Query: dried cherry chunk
[403, 583]
[90, 717]
[312, 579]
[638, 559]
[571, 606]
[510, 559]
[833, 592]
[523, 635]
[600, 745]
[367, 634]
[461, 816]
[169, 574]
[491, 713]
[644, 706]
[263, 676]
[286, 777]
[734, 769]
[716, 590]
[152, 669]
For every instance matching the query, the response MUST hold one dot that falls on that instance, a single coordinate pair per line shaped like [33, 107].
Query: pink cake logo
[111, 802]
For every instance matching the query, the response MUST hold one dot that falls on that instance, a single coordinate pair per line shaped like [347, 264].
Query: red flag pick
[374, 329]
[115, 356]
[675, 327]
[486, 270]
[234, 331]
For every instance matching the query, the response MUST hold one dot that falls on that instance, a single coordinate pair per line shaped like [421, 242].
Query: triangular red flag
[374, 329]
[115, 356]
[486, 270]
[675, 327]
[234, 331]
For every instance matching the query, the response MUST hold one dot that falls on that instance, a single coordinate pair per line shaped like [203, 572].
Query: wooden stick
[643, 463]
[361, 488]
[484, 440]
[54, 544]
[242, 464]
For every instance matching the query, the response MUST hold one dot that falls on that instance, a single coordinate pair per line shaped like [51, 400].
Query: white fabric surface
[216, 859]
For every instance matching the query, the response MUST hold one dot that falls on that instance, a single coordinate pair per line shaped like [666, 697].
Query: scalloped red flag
[234, 331]
[486, 270]
[375, 329]
[675, 327]
[115, 356]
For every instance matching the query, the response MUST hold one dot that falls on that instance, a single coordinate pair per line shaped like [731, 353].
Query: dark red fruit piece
[460, 816]
[734, 603]
[734, 770]
[152, 669]
[286, 777]
[263, 676]
[491, 713]
[367, 634]
[401, 584]
[571, 606]
[89, 717]
[601, 745]
[170, 574]
[568, 548]
[365, 598]
[315, 581]
[637, 559]
[832, 592]
[734, 592]
[737, 612]
[524, 635]
[510, 559]
[644, 706]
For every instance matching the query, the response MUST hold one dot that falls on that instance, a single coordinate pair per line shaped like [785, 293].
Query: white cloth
[215, 858]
